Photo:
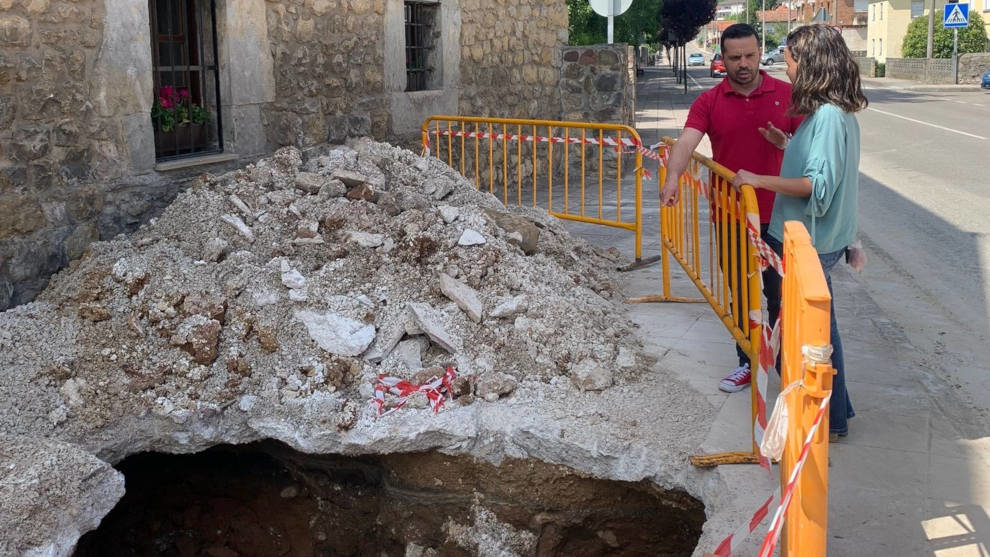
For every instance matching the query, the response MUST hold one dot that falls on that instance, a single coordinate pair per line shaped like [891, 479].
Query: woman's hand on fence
[774, 135]
[669, 195]
[745, 177]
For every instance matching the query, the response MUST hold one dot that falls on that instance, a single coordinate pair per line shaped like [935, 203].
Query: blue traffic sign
[956, 15]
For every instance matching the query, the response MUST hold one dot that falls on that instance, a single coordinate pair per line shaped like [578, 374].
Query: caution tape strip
[434, 389]
[732, 541]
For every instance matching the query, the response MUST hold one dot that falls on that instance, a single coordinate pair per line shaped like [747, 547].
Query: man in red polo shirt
[735, 114]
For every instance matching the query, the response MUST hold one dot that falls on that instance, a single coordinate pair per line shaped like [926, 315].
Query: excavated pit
[267, 499]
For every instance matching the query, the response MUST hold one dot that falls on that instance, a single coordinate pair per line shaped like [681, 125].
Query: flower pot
[189, 138]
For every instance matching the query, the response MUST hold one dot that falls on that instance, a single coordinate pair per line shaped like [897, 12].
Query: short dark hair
[738, 31]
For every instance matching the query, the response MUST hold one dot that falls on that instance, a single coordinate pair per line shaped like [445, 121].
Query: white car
[696, 59]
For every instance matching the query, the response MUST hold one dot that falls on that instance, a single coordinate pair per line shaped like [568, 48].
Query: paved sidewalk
[912, 478]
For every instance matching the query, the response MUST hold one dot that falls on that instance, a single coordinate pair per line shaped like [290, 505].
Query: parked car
[717, 67]
[986, 80]
[696, 59]
[775, 55]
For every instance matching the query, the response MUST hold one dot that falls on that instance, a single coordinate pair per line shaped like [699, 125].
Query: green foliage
[174, 107]
[971, 39]
[638, 25]
[881, 69]
[682, 19]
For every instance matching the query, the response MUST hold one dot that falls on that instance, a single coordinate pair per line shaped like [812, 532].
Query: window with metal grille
[421, 66]
[186, 109]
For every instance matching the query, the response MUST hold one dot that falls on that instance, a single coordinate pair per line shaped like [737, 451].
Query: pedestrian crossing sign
[956, 15]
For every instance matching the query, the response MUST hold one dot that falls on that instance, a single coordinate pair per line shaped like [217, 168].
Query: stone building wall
[55, 138]
[328, 61]
[972, 66]
[598, 84]
[510, 57]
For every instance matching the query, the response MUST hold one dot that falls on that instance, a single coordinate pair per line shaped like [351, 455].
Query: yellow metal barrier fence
[805, 319]
[706, 232]
[514, 159]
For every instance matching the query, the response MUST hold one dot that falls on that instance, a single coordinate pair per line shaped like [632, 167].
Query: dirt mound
[292, 278]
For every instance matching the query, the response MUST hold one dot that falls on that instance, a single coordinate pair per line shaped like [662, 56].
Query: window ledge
[179, 164]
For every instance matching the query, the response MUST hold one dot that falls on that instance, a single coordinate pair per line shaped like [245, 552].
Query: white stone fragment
[247, 402]
[590, 375]
[428, 320]
[337, 334]
[385, 343]
[239, 226]
[626, 359]
[463, 295]
[410, 352]
[264, 297]
[298, 294]
[366, 239]
[70, 392]
[511, 307]
[292, 278]
[214, 249]
[241, 206]
[471, 238]
[449, 213]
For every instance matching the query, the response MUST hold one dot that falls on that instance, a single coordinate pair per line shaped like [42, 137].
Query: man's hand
[669, 195]
[746, 177]
[774, 135]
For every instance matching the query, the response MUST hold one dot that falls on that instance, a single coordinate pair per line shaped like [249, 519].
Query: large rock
[463, 295]
[428, 321]
[50, 494]
[519, 230]
[337, 334]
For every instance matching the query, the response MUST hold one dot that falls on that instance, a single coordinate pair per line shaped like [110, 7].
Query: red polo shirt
[732, 120]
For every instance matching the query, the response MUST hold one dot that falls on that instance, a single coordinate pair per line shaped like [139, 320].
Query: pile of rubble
[289, 280]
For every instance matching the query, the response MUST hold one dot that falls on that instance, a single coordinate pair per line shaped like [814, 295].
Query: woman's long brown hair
[826, 73]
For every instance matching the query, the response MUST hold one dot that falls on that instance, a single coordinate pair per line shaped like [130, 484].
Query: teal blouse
[825, 149]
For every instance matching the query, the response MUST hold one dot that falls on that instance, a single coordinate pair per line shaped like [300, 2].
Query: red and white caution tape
[610, 141]
[435, 390]
[770, 541]
[731, 542]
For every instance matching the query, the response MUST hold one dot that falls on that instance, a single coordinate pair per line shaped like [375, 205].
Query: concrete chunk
[337, 334]
[471, 238]
[463, 295]
[427, 319]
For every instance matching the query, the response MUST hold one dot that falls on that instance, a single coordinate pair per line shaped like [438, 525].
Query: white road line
[700, 86]
[926, 123]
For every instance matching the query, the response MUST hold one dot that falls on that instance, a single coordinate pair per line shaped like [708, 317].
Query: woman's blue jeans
[840, 407]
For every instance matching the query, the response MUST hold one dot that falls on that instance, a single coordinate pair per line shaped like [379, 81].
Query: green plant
[174, 107]
[881, 69]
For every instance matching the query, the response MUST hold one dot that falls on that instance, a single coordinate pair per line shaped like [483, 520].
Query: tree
[684, 18]
[639, 24]
[971, 39]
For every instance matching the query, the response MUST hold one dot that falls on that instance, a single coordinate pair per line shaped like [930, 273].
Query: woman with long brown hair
[819, 178]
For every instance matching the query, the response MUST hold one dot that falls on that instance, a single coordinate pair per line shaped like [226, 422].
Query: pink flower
[184, 93]
[167, 92]
[165, 102]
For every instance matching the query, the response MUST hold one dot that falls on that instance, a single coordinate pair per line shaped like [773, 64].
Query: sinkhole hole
[267, 499]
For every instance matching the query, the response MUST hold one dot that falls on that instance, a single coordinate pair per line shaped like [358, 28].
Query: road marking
[926, 123]
[695, 81]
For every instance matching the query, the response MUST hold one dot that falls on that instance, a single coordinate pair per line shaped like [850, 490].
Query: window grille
[420, 20]
[186, 108]
[917, 8]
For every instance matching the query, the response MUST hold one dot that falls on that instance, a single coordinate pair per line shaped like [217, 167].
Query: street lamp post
[763, 26]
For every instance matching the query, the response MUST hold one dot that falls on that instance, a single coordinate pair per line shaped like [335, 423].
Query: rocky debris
[492, 386]
[463, 295]
[519, 230]
[199, 329]
[510, 307]
[471, 238]
[590, 375]
[337, 334]
[428, 321]
[51, 494]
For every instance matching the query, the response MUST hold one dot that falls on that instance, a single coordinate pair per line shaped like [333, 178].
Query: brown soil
[266, 499]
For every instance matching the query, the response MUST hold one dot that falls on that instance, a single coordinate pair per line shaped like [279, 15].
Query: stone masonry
[596, 84]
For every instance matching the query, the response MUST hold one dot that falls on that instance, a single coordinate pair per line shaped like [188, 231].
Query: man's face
[742, 60]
